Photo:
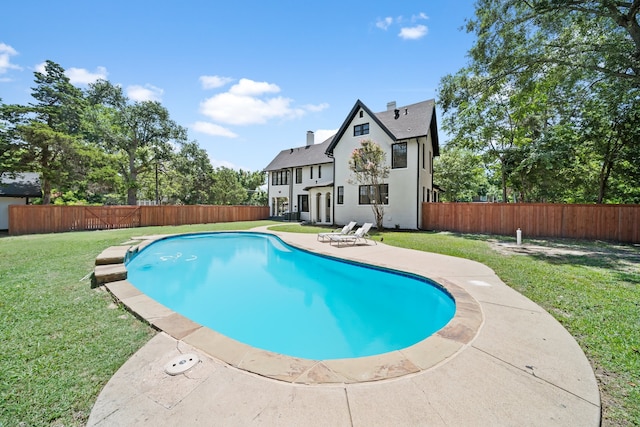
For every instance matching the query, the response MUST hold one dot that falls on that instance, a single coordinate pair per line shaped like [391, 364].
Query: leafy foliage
[98, 147]
[551, 97]
[369, 167]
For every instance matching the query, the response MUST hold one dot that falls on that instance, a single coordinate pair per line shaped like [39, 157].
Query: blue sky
[247, 78]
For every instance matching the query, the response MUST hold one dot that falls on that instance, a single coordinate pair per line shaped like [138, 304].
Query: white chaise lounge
[361, 234]
[338, 232]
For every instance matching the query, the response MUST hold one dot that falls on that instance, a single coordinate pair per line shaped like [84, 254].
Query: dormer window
[362, 129]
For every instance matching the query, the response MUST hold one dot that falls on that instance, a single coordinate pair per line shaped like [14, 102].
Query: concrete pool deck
[505, 361]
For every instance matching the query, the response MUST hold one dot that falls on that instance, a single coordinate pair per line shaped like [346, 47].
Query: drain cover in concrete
[181, 364]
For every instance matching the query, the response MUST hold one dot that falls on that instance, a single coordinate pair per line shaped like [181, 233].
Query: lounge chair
[337, 232]
[361, 233]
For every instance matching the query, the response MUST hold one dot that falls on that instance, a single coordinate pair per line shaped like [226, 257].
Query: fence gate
[111, 217]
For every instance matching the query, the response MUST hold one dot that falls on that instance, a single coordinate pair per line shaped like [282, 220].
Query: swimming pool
[258, 290]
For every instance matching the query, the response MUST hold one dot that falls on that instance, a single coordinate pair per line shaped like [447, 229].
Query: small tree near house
[369, 169]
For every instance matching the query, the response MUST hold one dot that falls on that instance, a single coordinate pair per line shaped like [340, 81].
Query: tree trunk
[46, 191]
[132, 187]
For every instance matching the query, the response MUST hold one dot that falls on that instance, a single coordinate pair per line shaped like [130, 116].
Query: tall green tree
[566, 76]
[227, 189]
[45, 135]
[192, 175]
[141, 132]
[516, 37]
[460, 173]
[253, 183]
[368, 165]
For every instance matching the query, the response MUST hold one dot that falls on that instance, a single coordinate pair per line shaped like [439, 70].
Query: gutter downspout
[290, 194]
[418, 188]
[333, 190]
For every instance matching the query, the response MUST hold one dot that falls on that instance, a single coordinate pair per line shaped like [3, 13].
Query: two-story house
[409, 137]
[300, 180]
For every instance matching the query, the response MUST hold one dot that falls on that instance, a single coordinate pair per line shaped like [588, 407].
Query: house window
[368, 194]
[399, 155]
[311, 172]
[303, 202]
[340, 194]
[280, 177]
[361, 114]
[431, 163]
[362, 129]
[298, 175]
[319, 171]
[423, 151]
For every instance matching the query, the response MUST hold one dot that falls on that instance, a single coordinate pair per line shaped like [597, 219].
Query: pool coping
[459, 332]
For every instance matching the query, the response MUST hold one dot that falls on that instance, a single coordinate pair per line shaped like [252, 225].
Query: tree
[193, 175]
[141, 131]
[460, 173]
[369, 168]
[549, 93]
[600, 37]
[252, 181]
[227, 189]
[44, 137]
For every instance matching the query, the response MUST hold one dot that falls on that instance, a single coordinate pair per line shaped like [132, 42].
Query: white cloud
[413, 33]
[419, 17]
[144, 93]
[224, 163]
[41, 67]
[213, 82]
[316, 108]
[251, 88]
[6, 52]
[321, 135]
[213, 129]
[84, 77]
[245, 104]
[384, 23]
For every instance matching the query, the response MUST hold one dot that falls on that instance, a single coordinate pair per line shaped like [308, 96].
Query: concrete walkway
[518, 367]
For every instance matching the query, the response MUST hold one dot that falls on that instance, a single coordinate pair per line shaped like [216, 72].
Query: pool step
[109, 273]
[113, 255]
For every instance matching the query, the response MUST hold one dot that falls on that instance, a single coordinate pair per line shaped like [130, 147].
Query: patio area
[503, 361]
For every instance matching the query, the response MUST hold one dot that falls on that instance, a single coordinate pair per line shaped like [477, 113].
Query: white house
[300, 180]
[409, 137]
[16, 189]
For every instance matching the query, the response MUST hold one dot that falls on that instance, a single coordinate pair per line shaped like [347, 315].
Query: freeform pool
[258, 290]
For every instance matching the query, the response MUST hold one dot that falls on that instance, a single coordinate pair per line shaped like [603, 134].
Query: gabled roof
[413, 121]
[20, 184]
[314, 154]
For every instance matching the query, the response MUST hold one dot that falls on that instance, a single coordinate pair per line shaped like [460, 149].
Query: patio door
[318, 208]
[328, 208]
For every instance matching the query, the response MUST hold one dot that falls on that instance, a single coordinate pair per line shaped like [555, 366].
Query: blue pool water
[258, 290]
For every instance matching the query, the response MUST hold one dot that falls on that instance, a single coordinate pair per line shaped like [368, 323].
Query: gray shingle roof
[301, 156]
[414, 120]
[20, 184]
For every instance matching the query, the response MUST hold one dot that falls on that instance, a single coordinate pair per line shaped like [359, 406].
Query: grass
[592, 288]
[62, 340]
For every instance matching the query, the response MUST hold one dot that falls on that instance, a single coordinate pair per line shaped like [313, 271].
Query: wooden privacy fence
[32, 219]
[619, 223]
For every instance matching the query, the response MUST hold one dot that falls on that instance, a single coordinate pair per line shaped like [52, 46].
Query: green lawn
[62, 340]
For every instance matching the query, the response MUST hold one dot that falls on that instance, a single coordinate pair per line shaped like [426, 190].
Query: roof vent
[396, 113]
[406, 111]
